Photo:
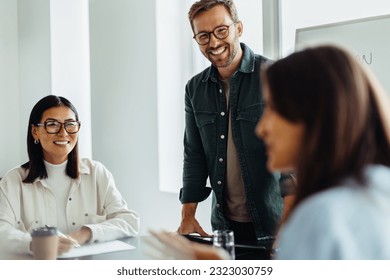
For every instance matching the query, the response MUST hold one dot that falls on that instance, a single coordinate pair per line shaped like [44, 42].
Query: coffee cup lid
[44, 231]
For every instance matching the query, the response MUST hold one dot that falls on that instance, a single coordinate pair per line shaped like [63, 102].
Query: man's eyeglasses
[53, 127]
[220, 32]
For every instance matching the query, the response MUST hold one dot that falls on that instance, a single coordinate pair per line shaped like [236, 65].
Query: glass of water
[224, 239]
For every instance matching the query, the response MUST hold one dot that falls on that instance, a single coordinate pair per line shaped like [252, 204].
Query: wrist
[87, 233]
[188, 210]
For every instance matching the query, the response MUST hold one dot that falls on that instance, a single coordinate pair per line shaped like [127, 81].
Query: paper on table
[97, 248]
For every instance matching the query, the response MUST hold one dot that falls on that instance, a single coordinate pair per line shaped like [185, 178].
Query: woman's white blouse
[93, 201]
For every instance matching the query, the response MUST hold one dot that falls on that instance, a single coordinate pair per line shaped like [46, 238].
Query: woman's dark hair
[205, 5]
[343, 110]
[35, 165]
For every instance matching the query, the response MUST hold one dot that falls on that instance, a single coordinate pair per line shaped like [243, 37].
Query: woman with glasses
[57, 188]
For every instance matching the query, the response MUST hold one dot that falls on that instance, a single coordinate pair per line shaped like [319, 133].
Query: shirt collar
[84, 169]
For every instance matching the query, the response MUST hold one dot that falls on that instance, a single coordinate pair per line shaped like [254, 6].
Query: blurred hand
[82, 236]
[168, 246]
[64, 244]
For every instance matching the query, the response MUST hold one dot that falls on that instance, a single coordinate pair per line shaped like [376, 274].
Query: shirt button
[218, 205]
[222, 114]
[222, 136]
[220, 159]
[219, 183]
[220, 90]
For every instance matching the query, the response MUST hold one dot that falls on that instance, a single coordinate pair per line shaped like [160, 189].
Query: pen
[74, 242]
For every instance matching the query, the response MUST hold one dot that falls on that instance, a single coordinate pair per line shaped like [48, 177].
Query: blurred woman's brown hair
[342, 106]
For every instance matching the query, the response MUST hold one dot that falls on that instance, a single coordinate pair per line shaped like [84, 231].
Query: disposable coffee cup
[225, 239]
[44, 243]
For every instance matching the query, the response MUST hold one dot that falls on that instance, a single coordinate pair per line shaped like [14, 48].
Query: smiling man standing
[222, 106]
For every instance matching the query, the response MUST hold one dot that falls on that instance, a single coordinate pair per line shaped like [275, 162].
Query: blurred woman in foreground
[327, 119]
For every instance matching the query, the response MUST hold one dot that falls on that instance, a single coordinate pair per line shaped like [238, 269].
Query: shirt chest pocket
[94, 219]
[250, 114]
[207, 126]
[204, 118]
[247, 120]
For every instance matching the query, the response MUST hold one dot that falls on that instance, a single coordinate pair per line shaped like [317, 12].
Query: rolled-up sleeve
[195, 165]
[119, 221]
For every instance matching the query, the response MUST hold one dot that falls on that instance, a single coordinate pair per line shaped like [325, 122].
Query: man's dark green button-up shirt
[206, 125]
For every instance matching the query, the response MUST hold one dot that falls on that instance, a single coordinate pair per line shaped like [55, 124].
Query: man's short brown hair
[205, 5]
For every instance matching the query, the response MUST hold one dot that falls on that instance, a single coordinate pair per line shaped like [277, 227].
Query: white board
[368, 39]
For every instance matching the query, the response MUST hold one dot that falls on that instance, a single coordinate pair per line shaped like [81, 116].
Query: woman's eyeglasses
[53, 127]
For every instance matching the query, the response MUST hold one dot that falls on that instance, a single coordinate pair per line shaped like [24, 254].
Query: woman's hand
[74, 239]
[64, 244]
[82, 236]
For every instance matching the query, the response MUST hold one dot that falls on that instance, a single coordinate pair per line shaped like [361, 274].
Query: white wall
[25, 72]
[33, 64]
[69, 30]
[174, 51]
[124, 108]
[124, 69]
[34, 57]
[10, 119]
[250, 13]
[305, 13]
